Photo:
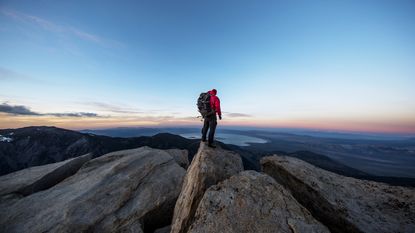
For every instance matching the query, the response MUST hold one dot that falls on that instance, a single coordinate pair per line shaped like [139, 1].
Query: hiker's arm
[217, 107]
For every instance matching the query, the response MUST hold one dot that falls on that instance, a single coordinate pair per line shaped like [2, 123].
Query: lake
[235, 139]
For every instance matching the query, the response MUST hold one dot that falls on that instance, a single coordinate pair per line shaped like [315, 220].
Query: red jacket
[215, 103]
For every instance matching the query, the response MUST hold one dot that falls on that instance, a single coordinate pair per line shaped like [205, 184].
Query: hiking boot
[203, 139]
[211, 146]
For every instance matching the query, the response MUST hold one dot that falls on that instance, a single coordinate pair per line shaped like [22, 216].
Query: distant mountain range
[147, 131]
[375, 154]
[39, 145]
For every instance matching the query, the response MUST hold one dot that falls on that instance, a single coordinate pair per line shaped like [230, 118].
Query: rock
[17, 180]
[181, 157]
[252, 202]
[163, 230]
[34, 179]
[342, 203]
[209, 166]
[124, 191]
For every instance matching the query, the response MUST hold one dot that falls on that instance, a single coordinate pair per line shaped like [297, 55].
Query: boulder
[252, 202]
[208, 167]
[25, 182]
[342, 203]
[181, 157]
[124, 191]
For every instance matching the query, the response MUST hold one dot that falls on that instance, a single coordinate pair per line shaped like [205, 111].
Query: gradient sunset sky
[332, 65]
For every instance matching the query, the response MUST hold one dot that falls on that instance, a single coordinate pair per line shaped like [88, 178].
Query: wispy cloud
[114, 108]
[235, 114]
[25, 111]
[7, 74]
[74, 114]
[58, 28]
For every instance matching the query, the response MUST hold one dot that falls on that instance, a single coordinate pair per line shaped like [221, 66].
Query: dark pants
[209, 124]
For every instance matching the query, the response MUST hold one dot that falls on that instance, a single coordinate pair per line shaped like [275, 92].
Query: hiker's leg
[212, 128]
[205, 129]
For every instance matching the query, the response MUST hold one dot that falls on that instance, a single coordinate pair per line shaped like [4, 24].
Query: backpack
[203, 104]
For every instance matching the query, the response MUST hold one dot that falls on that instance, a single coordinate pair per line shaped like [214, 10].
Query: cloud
[74, 114]
[9, 75]
[235, 114]
[17, 110]
[6, 74]
[25, 111]
[114, 108]
[59, 29]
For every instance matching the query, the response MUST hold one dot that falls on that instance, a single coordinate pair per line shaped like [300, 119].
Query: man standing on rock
[210, 121]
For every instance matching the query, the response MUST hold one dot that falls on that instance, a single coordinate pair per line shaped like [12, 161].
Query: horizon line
[240, 127]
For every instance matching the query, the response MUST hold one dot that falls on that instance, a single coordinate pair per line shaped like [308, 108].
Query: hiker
[209, 107]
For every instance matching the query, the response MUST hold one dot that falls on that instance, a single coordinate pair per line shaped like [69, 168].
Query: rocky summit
[124, 191]
[345, 204]
[149, 190]
[252, 202]
[208, 167]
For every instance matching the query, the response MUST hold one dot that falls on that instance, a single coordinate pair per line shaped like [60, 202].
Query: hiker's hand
[220, 117]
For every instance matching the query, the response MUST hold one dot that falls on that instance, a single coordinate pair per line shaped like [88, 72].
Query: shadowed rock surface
[163, 230]
[252, 202]
[209, 166]
[181, 157]
[37, 178]
[124, 191]
[342, 203]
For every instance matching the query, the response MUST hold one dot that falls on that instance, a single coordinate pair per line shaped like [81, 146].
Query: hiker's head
[214, 91]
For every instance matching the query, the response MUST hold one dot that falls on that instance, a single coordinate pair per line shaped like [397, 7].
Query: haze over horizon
[346, 66]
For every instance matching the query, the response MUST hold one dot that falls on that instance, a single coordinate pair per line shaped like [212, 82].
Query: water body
[235, 139]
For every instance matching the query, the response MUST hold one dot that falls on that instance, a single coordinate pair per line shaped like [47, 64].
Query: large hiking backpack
[203, 104]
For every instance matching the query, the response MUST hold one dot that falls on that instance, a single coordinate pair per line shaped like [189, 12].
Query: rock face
[163, 230]
[181, 157]
[252, 202]
[25, 181]
[124, 191]
[209, 166]
[342, 203]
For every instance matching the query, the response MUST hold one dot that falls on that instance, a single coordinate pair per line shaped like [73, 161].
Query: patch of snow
[5, 139]
[11, 133]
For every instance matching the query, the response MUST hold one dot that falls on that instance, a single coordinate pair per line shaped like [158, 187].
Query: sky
[325, 65]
